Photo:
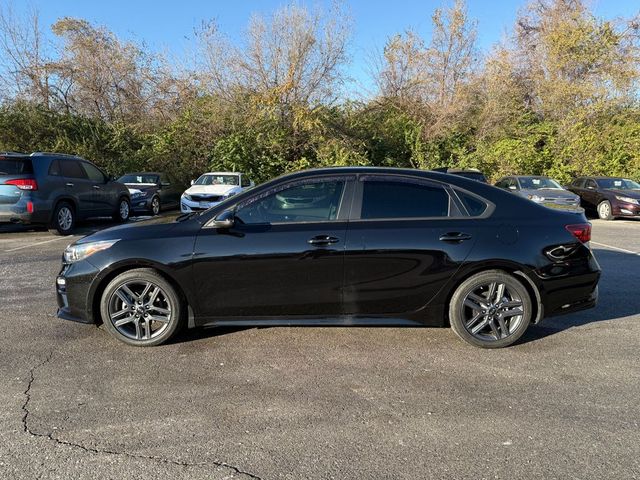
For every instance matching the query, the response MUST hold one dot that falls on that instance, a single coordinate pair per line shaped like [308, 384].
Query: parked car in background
[472, 173]
[57, 190]
[151, 192]
[543, 190]
[610, 197]
[212, 188]
[339, 246]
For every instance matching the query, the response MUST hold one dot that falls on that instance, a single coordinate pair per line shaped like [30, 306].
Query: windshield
[218, 180]
[534, 183]
[139, 178]
[618, 183]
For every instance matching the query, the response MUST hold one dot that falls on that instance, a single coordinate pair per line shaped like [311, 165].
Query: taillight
[582, 231]
[23, 183]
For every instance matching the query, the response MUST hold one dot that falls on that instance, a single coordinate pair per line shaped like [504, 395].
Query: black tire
[155, 205]
[138, 330]
[498, 315]
[122, 214]
[604, 210]
[63, 219]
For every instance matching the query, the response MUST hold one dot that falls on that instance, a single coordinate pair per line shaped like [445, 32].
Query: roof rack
[52, 154]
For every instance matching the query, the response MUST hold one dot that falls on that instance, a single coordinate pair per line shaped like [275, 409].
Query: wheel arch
[64, 198]
[512, 268]
[99, 285]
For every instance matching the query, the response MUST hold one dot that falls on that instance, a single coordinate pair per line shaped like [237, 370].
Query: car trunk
[13, 169]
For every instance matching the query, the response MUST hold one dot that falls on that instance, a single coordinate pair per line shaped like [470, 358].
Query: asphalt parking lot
[318, 402]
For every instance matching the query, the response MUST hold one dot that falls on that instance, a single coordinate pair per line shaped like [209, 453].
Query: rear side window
[72, 169]
[54, 168]
[403, 199]
[474, 205]
[578, 182]
[15, 166]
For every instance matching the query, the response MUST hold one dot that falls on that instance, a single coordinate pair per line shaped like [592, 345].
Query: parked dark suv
[56, 190]
[152, 191]
[610, 197]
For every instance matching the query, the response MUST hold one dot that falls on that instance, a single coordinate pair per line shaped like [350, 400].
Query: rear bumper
[18, 213]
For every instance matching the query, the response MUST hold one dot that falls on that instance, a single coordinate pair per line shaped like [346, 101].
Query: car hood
[210, 189]
[153, 227]
[141, 187]
[549, 193]
[624, 193]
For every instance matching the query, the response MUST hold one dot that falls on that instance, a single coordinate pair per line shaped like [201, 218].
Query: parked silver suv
[56, 190]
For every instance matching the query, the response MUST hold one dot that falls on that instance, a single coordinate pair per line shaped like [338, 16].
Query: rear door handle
[97, 187]
[454, 237]
[321, 240]
[69, 184]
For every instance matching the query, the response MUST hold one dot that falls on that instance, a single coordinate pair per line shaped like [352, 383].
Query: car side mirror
[192, 182]
[223, 220]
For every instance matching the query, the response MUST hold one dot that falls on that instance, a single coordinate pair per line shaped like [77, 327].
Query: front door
[283, 256]
[408, 239]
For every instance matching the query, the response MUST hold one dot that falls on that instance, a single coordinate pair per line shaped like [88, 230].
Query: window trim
[454, 200]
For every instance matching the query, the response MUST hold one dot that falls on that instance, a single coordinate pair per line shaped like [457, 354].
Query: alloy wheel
[492, 311]
[140, 310]
[604, 210]
[124, 209]
[65, 218]
[155, 206]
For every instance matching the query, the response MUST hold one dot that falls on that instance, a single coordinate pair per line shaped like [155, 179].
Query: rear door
[407, 237]
[105, 196]
[78, 186]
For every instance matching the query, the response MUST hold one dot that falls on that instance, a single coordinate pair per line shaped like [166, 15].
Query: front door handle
[69, 184]
[454, 237]
[321, 240]
[97, 187]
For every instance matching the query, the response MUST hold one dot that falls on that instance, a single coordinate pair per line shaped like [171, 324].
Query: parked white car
[212, 188]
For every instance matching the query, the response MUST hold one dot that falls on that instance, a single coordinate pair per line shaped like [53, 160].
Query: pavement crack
[92, 450]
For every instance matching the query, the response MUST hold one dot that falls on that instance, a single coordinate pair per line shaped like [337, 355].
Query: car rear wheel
[155, 206]
[140, 308]
[124, 210]
[491, 309]
[63, 219]
[604, 210]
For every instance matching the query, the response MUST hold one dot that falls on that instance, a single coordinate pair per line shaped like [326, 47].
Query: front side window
[591, 184]
[93, 173]
[391, 198]
[578, 183]
[304, 201]
[245, 181]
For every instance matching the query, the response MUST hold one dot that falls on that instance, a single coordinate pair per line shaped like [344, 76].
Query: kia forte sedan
[340, 246]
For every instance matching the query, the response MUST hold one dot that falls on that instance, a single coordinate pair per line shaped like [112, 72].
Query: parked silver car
[543, 190]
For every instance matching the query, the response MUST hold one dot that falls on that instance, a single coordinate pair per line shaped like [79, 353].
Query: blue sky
[169, 25]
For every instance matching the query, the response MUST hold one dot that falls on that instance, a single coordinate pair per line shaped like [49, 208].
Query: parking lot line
[616, 248]
[34, 244]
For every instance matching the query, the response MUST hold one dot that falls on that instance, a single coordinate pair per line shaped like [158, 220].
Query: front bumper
[188, 206]
[567, 207]
[73, 292]
[141, 204]
[623, 209]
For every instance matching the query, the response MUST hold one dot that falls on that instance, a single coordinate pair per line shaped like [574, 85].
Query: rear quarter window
[15, 166]
[475, 206]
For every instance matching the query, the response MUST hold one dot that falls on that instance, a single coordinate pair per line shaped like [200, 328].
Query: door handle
[454, 237]
[97, 187]
[321, 240]
[69, 184]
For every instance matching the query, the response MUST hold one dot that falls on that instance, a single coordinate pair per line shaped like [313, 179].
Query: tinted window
[245, 181]
[15, 166]
[591, 184]
[475, 206]
[306, 201]
[93, 173]
[54, 168]
[578, 182]
[72, 169]
[403, 199]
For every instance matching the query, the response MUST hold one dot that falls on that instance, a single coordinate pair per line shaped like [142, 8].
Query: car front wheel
[604, 210]
[491, 309]
[140, 308]
[123, 211]
[155, 206]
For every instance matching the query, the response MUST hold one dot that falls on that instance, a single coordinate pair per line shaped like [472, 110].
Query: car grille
[206, 198]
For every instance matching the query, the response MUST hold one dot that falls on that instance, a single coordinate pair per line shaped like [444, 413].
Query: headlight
[628, 200]
[186, 196]
[536, 198]
[75, 253]
[139, 194]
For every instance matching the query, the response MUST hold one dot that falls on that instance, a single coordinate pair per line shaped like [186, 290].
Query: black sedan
[151, 192]
[343, 246]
